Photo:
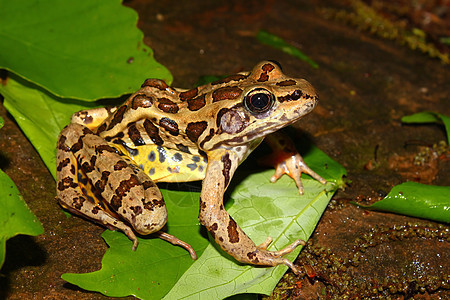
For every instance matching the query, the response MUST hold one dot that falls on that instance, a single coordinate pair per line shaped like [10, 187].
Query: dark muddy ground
[366, 84]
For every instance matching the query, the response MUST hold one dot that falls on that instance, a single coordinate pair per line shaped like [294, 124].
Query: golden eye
[258, 101]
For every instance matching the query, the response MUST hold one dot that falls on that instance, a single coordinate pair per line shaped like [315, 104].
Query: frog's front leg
[288, 161]
[224, 230]
[121, 193]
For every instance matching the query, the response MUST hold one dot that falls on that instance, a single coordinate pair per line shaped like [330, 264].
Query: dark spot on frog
[195, 129]
[214, 227]
[170, 125]
[183, 148]
[135, 135]
[226, 168]
[66, 183]
[155, 83]
[152, 156]
[268, 68]
[121, 164]
[100, 148]
[286, 82]
[188, 94]
[93, 160]
[95, 210]
[151, 172]
[77, 146]
[86, 131]
[220, 239]
[116, 202]
[263, 77]
[297, 94]
[78, 202]
[101, 128]
[100, 184]
[177, 157]
[118, 117]
[72, 169]
[63, 163]
[62, 143]
[162, 154]
[236, 77]
[192, 167]
[196, 158]
[200, 168]
[196, 103]
[252, 257]
[85, 117]
[122, 190]
[141, 101]
[153, 132]
[167, 106]
[226, 93]
[233, 234]
[86, 167]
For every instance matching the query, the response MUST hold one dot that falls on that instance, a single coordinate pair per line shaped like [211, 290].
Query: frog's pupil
[260, 101]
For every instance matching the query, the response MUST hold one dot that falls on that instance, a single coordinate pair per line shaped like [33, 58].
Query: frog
[110, 159]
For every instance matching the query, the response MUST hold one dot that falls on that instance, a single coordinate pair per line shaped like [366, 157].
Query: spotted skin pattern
[108, 159]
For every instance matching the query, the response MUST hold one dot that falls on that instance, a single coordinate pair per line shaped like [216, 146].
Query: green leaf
[15, 216]
[429, 117]
[84, 49]
[418, 200]
[278, 43]
[262, 209]
[40, 115]
[156, 265]
[2, 122]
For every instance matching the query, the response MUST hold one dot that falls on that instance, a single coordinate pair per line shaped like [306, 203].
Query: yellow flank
[166, 165]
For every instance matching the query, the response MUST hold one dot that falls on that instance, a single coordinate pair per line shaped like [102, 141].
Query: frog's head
[263, 102]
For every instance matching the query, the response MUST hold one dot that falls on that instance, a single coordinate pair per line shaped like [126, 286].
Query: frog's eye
[258, 101]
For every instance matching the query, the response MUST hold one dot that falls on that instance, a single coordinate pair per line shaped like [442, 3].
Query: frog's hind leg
[120, 190]
[71, 197]
[122, 195]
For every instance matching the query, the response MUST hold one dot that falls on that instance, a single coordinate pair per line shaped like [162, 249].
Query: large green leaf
[156, 265]
[262, 209]
[418, 200]
[84, 49]
[15, 216]
[40, 115]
